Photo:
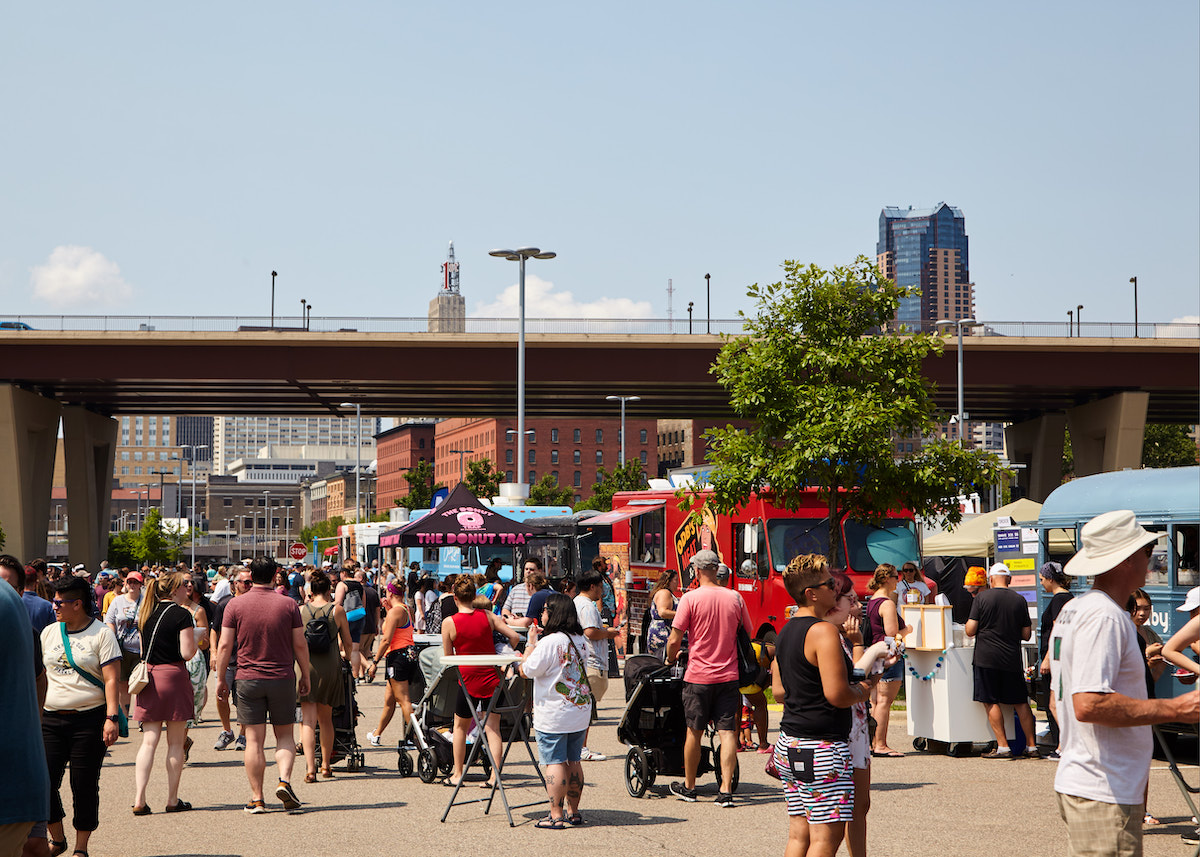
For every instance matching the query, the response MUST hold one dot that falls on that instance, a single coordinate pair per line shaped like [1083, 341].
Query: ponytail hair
[155, 590]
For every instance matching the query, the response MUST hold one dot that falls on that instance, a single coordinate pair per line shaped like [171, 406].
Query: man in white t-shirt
[599, 637]
[1098, 685]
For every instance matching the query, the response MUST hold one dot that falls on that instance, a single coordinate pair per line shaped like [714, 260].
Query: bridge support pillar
[1107, 434]
[90, 445]
[1038, 444]
[28, 438]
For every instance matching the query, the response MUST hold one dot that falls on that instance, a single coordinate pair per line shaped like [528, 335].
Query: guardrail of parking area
[637, 326]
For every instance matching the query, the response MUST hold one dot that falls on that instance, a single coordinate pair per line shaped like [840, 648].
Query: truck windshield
[791, 537]
[893, 540]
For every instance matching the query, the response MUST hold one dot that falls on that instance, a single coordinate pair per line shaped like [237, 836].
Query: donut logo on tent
[470, 520]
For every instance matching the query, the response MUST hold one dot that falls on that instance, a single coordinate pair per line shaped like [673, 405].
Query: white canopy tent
[975, 537]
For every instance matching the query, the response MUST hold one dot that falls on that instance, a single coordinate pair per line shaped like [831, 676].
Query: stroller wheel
[405, 764]
[427, 767]
[638, 773]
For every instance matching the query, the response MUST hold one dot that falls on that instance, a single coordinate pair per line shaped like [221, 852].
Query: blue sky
[163, 158]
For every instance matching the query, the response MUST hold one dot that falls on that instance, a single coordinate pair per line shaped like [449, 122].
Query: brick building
[397, 450]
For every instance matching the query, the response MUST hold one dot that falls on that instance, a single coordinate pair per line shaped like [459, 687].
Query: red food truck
[756, 542]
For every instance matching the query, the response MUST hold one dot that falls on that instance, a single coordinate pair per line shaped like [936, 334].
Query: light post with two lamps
[520, 255]
[623, 400]
[461, 453]
[959, 323]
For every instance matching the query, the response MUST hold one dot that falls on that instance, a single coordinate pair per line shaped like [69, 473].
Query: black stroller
[429, 729]
[345, 719]
[653, 725]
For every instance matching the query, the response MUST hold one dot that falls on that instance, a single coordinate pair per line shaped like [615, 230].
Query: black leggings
[75, 737]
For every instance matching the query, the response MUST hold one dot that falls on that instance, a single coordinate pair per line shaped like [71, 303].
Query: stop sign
[298, 551]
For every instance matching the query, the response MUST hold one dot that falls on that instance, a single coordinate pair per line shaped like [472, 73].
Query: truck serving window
[646, 537]
[791, 537]
[894, 540]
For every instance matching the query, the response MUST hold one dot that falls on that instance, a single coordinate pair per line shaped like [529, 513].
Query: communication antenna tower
[450, 273]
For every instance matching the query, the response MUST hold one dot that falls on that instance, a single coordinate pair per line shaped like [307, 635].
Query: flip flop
[890, 754]
[549, 823]
[1149, 819]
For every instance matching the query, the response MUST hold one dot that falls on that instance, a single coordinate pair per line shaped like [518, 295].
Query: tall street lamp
[708, 295]
[273, 276]
[520, 255]
[461, 453]
[357, 452]
[623, 400]
[267, 519]
[1079, 320]
[191, 459]
[1135, 318]
[960, 323]
[1070, 323]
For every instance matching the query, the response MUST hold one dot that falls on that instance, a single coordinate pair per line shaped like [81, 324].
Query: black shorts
[258, 699]
[129, 660]
[399, 667]
[721, 703]
[466, 704]
[999, 687]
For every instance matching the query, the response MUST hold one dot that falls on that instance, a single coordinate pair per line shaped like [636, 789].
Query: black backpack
[319, 632]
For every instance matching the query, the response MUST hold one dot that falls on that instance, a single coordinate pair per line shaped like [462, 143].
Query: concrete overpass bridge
[1105, 387]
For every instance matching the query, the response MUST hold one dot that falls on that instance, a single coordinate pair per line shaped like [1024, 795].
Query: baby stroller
[345, 719]
[430, 729]
[653, 725]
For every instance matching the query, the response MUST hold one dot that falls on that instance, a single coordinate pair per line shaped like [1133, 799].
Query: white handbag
[139, 676]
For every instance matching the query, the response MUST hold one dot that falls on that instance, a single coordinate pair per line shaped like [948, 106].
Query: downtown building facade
[242, 437]
[927, 249]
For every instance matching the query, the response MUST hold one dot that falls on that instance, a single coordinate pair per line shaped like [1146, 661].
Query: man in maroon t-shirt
[266, 629]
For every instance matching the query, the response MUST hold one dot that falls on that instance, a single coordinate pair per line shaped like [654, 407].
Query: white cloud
[542, 301]
[1183, 327]
[79, 275]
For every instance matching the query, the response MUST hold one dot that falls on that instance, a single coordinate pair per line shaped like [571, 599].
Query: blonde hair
[882, 572]
[802, 572]
[158, 589]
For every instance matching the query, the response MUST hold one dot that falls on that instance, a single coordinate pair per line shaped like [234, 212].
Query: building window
[554, 435]
[554, 456]
[578, 436]
[599, 456]
[645, 458]
[508, 456]
[532, 476]
[643, 435]
[599, 435]
[227, 501]
[533, 456]
[508, 476]
[578, 457]
[531, 434]
[422, 446]
[578, 479]
[554, 476]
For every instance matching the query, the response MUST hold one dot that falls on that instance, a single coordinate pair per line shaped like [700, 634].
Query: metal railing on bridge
[634, 326]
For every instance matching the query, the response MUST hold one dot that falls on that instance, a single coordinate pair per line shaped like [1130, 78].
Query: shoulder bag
[588, 681]
[139, 676]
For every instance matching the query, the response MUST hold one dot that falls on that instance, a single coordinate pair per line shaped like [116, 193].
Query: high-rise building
[243, 437]
[927, 248]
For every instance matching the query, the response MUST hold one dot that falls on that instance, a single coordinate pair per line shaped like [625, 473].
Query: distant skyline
[165, 159]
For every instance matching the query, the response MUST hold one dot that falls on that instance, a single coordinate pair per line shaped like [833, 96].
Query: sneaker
[224, 739]
[373, 739]
[255, 807]
[724, 800]
[591, 756]
[1053, 754]
[683, 792]
[1192, 837]
[998, 754]
[285, 794]
[240, 743]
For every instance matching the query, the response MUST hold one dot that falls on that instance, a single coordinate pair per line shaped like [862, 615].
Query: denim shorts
[894, 673]
[559, 748]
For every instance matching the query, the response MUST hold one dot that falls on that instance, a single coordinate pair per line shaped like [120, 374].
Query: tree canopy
[482, 478]
[624, 477]
[421, 486]
[1167, 446]
[547, 492]
[830, 395]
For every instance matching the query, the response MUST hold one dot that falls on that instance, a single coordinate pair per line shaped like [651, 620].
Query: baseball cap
[135, 576]
[999, 568]
[706, 559]
[1191, 602]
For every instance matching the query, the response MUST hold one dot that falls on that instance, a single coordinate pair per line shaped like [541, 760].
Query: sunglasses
[59, 602]
[827, 584]
[242, 582]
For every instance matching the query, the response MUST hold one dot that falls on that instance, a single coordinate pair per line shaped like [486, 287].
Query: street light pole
[273, 276]
[690, 305]
[1135, 318]
[1079, 319]
[960, 323]
[267, 519]
[357, 452]
[461, 453]
[520, 255]
[623, 400]
[1070, 323]
[192, 472]
[303, 304]
[708, 293]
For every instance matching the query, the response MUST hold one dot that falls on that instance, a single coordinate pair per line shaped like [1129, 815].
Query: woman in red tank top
[469, 632]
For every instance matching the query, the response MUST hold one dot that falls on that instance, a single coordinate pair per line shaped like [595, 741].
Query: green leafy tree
[421, 486]
[1167, 446]
[326, 529]
[121, 550]
[829, 395]
[624, 477]
[547, 492]
[483, 478]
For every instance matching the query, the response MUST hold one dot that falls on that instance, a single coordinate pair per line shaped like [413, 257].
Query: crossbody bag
[122, 720]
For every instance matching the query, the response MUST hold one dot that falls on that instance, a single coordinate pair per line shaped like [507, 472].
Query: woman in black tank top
[811, 675]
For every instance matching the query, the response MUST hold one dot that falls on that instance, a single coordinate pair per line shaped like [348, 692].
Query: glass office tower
[927, 249]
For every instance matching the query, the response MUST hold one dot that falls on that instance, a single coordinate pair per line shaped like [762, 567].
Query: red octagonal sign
[298, 551]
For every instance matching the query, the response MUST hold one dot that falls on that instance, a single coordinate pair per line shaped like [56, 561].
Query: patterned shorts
[817, 778]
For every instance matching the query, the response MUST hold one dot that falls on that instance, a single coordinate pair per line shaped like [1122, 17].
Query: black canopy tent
[460, 521]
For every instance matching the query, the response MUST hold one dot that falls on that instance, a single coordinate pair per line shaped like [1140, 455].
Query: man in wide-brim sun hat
[1097, 683]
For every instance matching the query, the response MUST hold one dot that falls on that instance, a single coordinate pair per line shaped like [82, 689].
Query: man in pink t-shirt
[710, 616]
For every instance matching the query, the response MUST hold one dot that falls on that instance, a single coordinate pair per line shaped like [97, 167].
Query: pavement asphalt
[922, 804]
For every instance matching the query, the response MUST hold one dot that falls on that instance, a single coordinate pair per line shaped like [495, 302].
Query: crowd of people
[137, 647]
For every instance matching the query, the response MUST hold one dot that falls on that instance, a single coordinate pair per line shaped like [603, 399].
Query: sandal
[574, 819]
[1149, 819]
[144, 809]
[310, 778]
[327, 773]
[551, 823]
[180, 806]
[58, 846]
[79, 851]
